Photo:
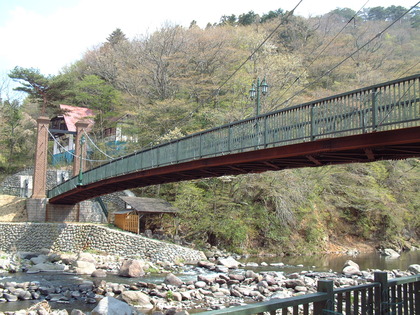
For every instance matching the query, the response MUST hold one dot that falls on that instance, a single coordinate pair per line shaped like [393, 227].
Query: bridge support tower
[38, 208]
[81, 128]
[36, 205]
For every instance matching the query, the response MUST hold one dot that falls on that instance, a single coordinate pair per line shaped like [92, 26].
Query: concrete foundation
[36, 209]
[39, 210]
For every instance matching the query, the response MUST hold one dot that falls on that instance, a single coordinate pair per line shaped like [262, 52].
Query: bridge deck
[374, 123]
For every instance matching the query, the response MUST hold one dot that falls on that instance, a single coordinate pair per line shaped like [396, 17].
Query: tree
[271, 15]
[116, 37]
[95, 93]
[247, 18]
[345, 13]
[45, 90]
[16, 133]
[228, 19]
[376, 13]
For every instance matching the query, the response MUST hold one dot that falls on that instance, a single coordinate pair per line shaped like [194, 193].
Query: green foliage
[177, 81]
[16, 135]
[45, 90]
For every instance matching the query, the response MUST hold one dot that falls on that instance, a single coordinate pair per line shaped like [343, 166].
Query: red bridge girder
[386, 145]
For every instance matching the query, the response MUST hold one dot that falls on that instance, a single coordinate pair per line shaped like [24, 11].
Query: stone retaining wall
[65, 237]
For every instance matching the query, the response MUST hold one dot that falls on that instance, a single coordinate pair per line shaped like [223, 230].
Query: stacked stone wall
[11, 184]
[66, 237]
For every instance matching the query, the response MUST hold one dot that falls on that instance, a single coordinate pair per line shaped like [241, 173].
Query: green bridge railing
[386, 106]
[381, 297]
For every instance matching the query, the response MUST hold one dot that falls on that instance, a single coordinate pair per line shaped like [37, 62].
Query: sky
[51, 34]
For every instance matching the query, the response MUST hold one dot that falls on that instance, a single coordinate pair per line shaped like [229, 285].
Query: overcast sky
[50, 34]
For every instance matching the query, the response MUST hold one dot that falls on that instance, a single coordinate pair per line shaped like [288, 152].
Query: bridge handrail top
[275, 112]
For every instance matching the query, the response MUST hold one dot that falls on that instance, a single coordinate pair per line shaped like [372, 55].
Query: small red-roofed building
[63, 129]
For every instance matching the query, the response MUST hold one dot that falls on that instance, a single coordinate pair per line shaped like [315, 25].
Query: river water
[321, 262]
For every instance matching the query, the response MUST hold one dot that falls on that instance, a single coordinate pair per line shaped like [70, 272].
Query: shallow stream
[322, 262]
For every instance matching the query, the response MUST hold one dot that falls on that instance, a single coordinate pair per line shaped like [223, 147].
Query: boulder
[390, 253]
[414, 268]
[83, 256]
[10, 297]
[137, 298]
[200, 284]
[131, 268]
[237, 277]
[351, 268]
[39, 259]
[176, 296]
[46, 266]
[293, 283]
[99, 273]
[228, 262]
[280, 295]
[67, 258]
[112, 306]
[351, 271]
[171, 279]
[250, 274]
[4, 263]
[206, 264]
[84, 267]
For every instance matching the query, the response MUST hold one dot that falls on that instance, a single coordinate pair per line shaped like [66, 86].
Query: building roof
[73, 114]
[148, 205]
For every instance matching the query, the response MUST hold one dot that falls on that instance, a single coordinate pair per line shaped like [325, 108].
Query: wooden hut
[141, 214]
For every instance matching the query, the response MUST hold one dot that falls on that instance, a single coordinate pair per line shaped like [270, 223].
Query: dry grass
[12, 209]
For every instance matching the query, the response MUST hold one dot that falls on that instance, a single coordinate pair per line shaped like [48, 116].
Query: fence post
[417, 297]
[312, 122]
[374, 110]
[382, 296]
[325, 286]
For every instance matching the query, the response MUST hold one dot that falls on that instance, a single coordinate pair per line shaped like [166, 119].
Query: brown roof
[149, 205]
[73, 114]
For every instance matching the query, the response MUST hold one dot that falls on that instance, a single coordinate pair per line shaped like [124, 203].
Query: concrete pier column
[41, 151]
[81, 128]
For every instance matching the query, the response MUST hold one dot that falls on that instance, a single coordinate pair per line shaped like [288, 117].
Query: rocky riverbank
[219, 284]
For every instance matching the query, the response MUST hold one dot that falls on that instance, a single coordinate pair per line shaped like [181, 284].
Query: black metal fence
[381, 297]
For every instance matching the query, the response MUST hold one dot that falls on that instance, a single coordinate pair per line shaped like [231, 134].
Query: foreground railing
[391, 105]
[383, 296]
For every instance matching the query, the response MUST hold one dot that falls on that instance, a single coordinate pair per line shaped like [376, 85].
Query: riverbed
[287, 264]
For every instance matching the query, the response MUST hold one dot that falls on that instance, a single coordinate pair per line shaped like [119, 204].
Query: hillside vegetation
[178, 80]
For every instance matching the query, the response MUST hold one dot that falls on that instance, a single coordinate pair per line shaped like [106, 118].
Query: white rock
[414, 268]
[84, 267]
[46, 267]
[351, 270]
[137, 298]
[112, 306]
[39, 259]
[390, 253]
[228, 262]
[200, 284]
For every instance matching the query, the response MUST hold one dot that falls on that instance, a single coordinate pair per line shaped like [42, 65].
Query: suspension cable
[322, 51]
[71, 153]
[349, 56]
[94, 144]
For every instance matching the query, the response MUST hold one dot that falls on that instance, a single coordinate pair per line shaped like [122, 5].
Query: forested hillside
[178, 80]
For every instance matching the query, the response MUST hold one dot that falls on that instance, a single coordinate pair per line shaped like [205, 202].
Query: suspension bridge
[379, 122]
